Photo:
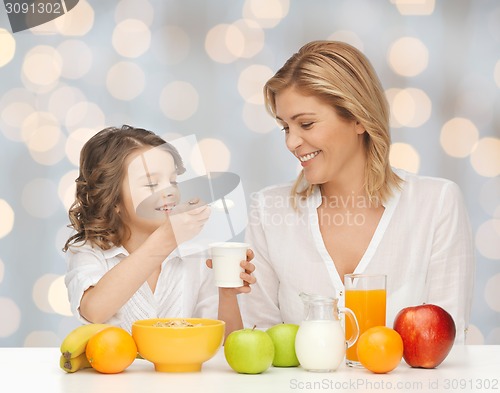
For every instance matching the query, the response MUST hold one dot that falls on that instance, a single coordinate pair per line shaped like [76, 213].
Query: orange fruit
[380, 349]
[111, 350]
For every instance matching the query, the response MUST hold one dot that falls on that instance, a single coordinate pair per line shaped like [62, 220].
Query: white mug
[226, 259]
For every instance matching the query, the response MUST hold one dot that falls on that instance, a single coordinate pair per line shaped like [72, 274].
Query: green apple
[249, 351]
[283, 336]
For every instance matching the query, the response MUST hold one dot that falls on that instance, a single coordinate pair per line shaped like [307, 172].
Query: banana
[75, 343]
[74, 364]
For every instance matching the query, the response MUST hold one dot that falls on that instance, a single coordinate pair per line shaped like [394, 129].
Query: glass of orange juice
[365, 295]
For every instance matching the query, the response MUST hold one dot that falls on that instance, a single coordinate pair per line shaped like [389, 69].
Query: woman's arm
[451, 273]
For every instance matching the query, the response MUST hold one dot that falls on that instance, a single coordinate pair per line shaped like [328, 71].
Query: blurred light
[496, 73]
[76, 58]
[485, 158]
[253, 38]
[67, 188]
[40, 131]
[11, 324]
[408, 56]
[125, 80]
[7, 218]
[391, 94]
[405, 157]
[347, 36]
[251, 81]
[492, 292]
[179, 100]
[474, 336]
[39, 338]
[216, 157]
[493, 337]
[42, 65]
[85, 114]
[488, 239]
[52, 156]
[267, 13]
[411, 107]
[414, 7]
[131, 38]
[62, 99]
[78, 22]
[489, 197]
[75, 142]
[40, 292]
[257, 119]
[12, 116]
[170, 45]
[7, 47]
[58, 297]
[459, 137]
[224, 43]
[39, 198]
[133, 9]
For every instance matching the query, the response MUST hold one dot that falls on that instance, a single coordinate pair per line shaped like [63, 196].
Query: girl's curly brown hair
[93, 214]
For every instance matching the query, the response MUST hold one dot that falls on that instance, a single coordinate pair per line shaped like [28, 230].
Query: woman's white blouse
[423, 243]
[185, 287]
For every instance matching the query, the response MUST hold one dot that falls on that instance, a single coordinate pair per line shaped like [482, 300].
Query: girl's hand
[246, 276]
[188, 223]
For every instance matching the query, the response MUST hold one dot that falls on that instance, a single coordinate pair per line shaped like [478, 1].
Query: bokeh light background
[198, 67]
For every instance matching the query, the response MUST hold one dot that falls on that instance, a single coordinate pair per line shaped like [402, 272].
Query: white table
[466, 369]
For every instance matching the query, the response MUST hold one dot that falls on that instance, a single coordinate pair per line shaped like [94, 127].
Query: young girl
[123, 263]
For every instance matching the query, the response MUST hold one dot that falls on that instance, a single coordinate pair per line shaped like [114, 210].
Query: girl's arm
[100, 302]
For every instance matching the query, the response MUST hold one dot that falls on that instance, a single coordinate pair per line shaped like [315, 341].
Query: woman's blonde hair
[341, 76]
[93, 215]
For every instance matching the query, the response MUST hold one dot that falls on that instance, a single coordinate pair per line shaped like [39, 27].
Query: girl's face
[329, 148]
[149, 189]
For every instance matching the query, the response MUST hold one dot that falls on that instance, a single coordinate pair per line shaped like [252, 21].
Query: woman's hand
[246, 276]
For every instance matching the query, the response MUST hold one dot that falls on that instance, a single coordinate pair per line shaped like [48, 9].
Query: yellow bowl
[178, 349]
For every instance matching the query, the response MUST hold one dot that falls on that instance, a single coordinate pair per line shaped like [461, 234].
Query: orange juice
[369, 308]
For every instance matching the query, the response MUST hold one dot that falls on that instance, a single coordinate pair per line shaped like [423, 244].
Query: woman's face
[329, 148]
[149, 190]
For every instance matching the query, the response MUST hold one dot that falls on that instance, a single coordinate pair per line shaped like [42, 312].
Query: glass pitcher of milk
[320, 343]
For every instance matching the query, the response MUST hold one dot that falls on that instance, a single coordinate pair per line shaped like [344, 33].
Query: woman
[349, 211]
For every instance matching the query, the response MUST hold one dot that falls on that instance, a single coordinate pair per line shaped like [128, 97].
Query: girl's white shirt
[185, 287]
[423, 243]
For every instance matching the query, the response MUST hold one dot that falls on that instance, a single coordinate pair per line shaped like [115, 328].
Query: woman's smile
[306, 158]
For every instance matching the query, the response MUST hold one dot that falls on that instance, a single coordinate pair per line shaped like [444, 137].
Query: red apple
[428, 333]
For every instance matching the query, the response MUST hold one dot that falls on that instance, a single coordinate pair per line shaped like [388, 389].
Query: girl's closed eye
[151, 185]
[307, 125]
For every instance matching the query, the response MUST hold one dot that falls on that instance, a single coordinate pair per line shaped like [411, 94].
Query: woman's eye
[173, 182]
[284, 129]
[151, 185]
[307, 125]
